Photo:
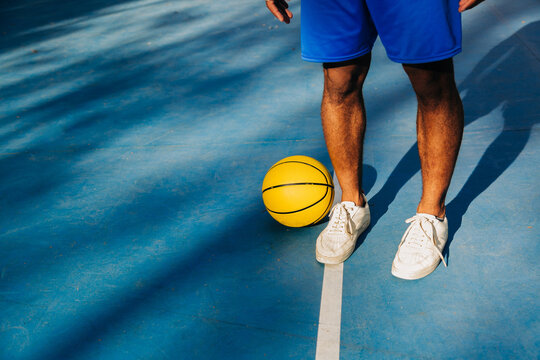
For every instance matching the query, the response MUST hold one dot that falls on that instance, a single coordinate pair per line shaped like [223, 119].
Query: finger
[463, 5]
[274, 10]
[287, 15]
[468, 4]
[279, 9]
[283, 8]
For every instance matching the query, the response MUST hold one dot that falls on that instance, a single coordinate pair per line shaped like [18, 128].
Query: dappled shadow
[186, 275]
[91, 102]
[29, 22]
[78, 182]
[86, 206]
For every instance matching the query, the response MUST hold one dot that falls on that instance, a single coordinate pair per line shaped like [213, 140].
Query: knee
[433, 83]
[344, 82]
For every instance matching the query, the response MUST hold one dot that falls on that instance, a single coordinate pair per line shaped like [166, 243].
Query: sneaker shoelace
[339, 218]
[416, 240]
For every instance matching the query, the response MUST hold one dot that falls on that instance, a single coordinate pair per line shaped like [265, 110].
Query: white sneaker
[337, 241]
[420, 250]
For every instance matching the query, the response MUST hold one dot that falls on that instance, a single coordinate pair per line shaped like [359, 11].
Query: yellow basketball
[298, 191]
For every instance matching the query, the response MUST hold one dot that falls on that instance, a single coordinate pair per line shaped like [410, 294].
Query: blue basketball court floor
[134, 139]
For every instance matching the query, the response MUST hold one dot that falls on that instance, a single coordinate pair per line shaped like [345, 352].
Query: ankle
[358, 199]
[432, 209]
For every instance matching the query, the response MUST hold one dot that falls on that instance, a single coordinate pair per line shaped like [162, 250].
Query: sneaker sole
[339, 259]
[414, 275]
[334, 260]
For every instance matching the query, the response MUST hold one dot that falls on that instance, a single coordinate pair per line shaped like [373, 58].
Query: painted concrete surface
[134, 138]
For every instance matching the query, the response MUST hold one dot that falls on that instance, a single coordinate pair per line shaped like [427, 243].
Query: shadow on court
[29, 22]
[91, 183]
[488, 87]
[82, 107]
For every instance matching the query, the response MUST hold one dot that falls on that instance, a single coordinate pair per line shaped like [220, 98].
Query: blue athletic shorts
[412, 31]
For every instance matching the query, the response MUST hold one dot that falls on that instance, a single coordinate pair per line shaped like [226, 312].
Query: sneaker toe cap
[332, 246]
[413, 261]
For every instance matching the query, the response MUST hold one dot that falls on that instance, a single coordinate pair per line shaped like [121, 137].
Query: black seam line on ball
[303, 183]
[301, 162]
[295, 211]
[325, 211]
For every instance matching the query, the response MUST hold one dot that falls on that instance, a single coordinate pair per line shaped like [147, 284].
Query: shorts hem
[337, 58]
[443, 56]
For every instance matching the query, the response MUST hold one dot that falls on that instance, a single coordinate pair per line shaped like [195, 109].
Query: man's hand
[280, 10]
[467, 4]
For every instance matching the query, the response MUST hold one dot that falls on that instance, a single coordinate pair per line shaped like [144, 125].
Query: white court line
[329, 333]
[330, 314]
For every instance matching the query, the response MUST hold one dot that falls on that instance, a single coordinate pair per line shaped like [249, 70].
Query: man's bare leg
[344, 123]
[439, 130]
